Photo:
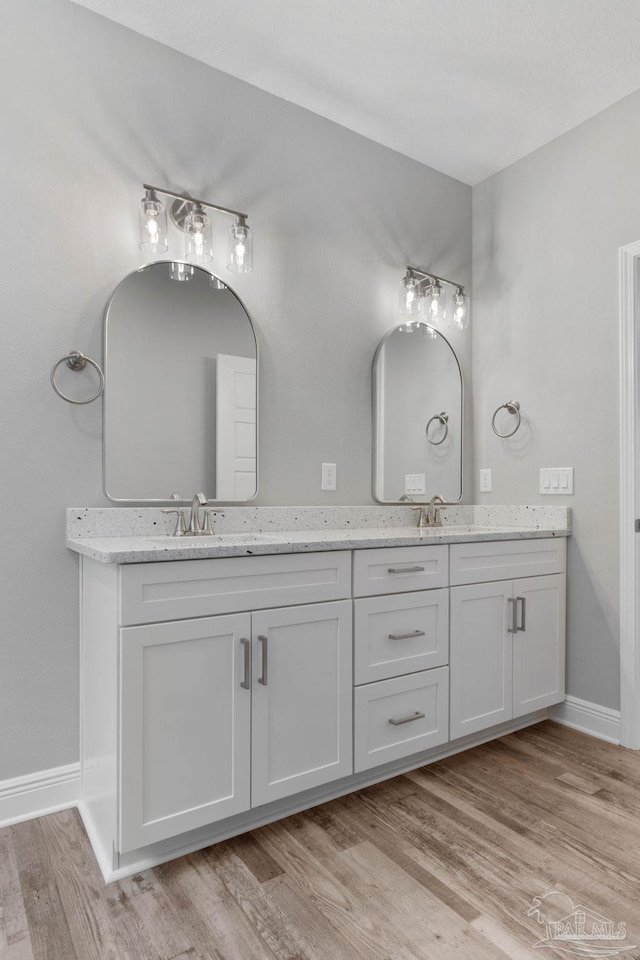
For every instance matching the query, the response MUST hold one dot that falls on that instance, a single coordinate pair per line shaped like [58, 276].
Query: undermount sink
[215, 539]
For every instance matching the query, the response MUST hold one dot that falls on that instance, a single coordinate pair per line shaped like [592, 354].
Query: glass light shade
[153, 224]
[409, 300]
[434, 303]
[182, 272]
[460, 311]
[240, 258]
[198, 238]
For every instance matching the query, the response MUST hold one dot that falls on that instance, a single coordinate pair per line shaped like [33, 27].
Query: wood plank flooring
[444, 862]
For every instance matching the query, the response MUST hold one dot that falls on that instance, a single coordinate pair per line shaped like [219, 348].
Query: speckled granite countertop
[142, 535]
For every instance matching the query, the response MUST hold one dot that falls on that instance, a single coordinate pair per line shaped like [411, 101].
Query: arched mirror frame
[162, 501]
[376, 417]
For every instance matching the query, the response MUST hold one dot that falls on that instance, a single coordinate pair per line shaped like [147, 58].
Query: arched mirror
[418, 399]
[181, 398]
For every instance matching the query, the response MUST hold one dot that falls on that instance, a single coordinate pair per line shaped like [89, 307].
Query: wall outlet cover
[328, 476]
[485, 481]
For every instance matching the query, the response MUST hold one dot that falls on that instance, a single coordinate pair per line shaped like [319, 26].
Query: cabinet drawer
[506, 559]
[179, 589]
[419, 706]
[399, 569]
[400, 634]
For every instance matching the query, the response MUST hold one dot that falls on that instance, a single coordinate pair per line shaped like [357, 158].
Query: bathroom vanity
[232, 680]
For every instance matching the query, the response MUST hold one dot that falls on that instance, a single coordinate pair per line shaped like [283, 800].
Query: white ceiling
[464, 86]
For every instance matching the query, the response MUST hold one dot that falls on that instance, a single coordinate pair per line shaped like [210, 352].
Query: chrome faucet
[435, 505]
[193, 527]
[429, 515]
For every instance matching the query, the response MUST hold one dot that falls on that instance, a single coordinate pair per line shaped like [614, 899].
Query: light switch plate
[556, 481]
[414, 483]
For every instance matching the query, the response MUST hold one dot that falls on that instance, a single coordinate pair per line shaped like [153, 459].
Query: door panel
[302, 718]
[539, 649]
[480, 657]
[185, 727]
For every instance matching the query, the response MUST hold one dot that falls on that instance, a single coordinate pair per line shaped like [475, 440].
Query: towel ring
[443, 419]
[513, 407]
[76, 361]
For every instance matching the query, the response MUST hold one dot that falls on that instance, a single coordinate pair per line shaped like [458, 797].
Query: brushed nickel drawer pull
[246, 683]
[514, 616]
[414, 716]
[265, 652]
[523, 618]
[405, 570]
[407, 636]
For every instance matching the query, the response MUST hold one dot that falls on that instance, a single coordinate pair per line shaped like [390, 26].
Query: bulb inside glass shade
[409, 301]
[460, 311]
[434, 302]
[198, 240]
[240, 256]
[153, 224]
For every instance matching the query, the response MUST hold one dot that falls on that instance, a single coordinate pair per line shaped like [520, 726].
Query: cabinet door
[185, 727]
[301, 707]
[539, 644]
[480, 657]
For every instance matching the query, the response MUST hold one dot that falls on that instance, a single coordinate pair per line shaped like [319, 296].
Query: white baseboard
[591, 718]
[37, 794]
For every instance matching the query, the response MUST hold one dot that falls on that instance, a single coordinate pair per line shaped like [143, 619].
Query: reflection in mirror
[180, 404]
[417, 416]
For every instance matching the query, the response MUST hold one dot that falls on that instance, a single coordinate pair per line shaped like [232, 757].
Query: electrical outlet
[328, 476]
[485, 481]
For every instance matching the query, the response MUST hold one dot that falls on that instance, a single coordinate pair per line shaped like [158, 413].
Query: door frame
[629, 342]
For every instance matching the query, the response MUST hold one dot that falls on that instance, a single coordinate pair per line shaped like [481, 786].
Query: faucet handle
[208, 522]
[181, 520]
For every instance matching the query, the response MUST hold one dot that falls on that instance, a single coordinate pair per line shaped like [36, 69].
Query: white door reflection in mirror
[235, 428]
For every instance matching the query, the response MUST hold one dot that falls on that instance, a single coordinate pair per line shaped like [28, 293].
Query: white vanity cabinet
[222, 693]
[507, 643]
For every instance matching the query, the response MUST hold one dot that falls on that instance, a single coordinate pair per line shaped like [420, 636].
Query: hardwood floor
[444, 862]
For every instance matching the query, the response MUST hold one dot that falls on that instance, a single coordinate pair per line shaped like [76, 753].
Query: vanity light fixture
[191, 217]
[423, 293]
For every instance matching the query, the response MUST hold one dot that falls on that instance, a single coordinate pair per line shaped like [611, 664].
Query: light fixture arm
[204, 203]
[422, 275]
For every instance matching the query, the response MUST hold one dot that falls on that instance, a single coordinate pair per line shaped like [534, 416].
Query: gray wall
[90, 111]
[546, 237]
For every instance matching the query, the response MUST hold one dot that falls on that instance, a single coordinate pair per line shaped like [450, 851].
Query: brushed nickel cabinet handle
[405, 570]
[407, 636]
[246, 683]
[265, 653]
[414, 716]
[523, 615]
[514, 616]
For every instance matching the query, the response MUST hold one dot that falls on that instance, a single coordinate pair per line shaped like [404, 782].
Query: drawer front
[417, 704]
[399, 569]
[506, 560]
[400, 634]
[151, 592]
